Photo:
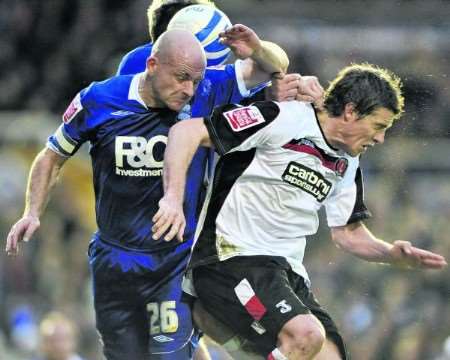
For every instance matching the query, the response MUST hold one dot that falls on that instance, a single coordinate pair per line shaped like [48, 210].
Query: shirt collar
[133, 93]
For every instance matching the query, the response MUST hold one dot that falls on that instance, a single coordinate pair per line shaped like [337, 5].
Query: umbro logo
[122, 113]
[162, 338]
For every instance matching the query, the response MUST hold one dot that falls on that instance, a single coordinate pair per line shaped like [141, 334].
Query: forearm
[43, 177]
[271, 58]
[181, 146]
[357, 240]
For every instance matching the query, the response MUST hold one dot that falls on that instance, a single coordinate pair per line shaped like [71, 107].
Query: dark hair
[160, 12]
[367, 87]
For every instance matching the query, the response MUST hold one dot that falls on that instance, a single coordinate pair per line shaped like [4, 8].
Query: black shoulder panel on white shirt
[360, 211]
[230, 125]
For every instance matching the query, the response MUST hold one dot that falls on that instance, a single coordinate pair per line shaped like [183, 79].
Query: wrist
[174, 196]
[31, 214]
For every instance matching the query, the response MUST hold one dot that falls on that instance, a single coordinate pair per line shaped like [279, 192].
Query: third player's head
[58, 337]
[366, 100]
[174, 69]
[160, 12]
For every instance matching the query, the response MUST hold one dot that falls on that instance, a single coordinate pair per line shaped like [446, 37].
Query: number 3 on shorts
[163, 317]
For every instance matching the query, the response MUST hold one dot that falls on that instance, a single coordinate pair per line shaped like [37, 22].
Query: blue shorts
[137, 303]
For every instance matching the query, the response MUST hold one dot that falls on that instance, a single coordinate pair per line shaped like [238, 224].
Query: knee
[302, 337]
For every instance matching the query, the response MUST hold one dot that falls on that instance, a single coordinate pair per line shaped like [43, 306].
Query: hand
[22, 230]
[295, 87]
[310, 90]
[284, 87]
[169, 216]
[406, 255]
[242, 41]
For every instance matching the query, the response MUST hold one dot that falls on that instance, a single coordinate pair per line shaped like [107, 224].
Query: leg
[202, 353]
[222, 335]
[216, 330]
[172, 335]
[121, 323]
[122, 333]
[301, 337]
[329, 352]
[255, 299]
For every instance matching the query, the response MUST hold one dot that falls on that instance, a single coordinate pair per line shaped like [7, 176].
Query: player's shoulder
[302, 113]
[134, 60]
[139, 51]
[213, 72]
[116, 87]
[298, 107]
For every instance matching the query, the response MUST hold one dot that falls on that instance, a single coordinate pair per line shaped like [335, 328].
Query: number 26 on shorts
[163, 317]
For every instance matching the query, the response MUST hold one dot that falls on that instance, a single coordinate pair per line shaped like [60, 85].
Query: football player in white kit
[280, 163]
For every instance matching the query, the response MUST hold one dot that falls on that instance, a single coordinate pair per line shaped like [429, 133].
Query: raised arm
[184, 139]
[43, 175]
[359, 241]
[262, 58]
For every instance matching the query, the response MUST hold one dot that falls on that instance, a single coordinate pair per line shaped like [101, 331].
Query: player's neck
[331, 129]
[146, 92]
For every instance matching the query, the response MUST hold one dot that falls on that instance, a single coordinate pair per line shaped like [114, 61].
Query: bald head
[174, 45]
[174, 70]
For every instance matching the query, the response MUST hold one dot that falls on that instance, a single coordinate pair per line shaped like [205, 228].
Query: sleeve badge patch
[74, 108]
[244, 117]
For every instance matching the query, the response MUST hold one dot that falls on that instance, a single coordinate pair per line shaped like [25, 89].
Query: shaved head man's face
[176, 66]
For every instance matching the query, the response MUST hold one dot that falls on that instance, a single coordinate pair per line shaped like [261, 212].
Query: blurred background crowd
[51, 49]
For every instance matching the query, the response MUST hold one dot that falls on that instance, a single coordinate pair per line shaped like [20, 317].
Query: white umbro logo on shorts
[244, 117]
[162, 338]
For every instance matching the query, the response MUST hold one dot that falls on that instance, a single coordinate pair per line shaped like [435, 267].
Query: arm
[295, 87]
[263, 58]
[188, 136]
[359, 241]
[43, 175]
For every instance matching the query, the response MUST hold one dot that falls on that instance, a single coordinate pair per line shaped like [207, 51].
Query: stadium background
[51, 49]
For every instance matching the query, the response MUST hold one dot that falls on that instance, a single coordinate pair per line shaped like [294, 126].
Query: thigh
[252, 295]
[170, 326]
[308, 298]
[137, 301]
[121, 320]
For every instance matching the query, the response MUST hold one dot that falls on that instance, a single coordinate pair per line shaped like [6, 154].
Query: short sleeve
[346, 203]
[240, 128]
[73, 132]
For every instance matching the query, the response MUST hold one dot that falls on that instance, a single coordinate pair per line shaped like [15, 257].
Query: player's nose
[189, 88]
[379, 138]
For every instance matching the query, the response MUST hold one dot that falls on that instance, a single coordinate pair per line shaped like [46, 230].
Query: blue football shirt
[220, 85]
[127, 141]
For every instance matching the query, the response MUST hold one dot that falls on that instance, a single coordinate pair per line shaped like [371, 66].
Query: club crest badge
[341, 166]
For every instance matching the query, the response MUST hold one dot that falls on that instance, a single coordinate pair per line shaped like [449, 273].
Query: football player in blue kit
[126, 120]
[280, 163]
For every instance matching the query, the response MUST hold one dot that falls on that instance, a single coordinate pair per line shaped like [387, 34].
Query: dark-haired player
[280, 163]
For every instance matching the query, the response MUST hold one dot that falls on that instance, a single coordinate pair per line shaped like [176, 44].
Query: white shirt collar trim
[133, 93]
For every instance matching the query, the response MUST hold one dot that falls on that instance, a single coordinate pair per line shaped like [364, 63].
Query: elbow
[342, 237]
[191, 132]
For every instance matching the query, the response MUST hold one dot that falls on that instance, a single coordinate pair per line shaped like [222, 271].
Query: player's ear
[350, 112]
[152, 64]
